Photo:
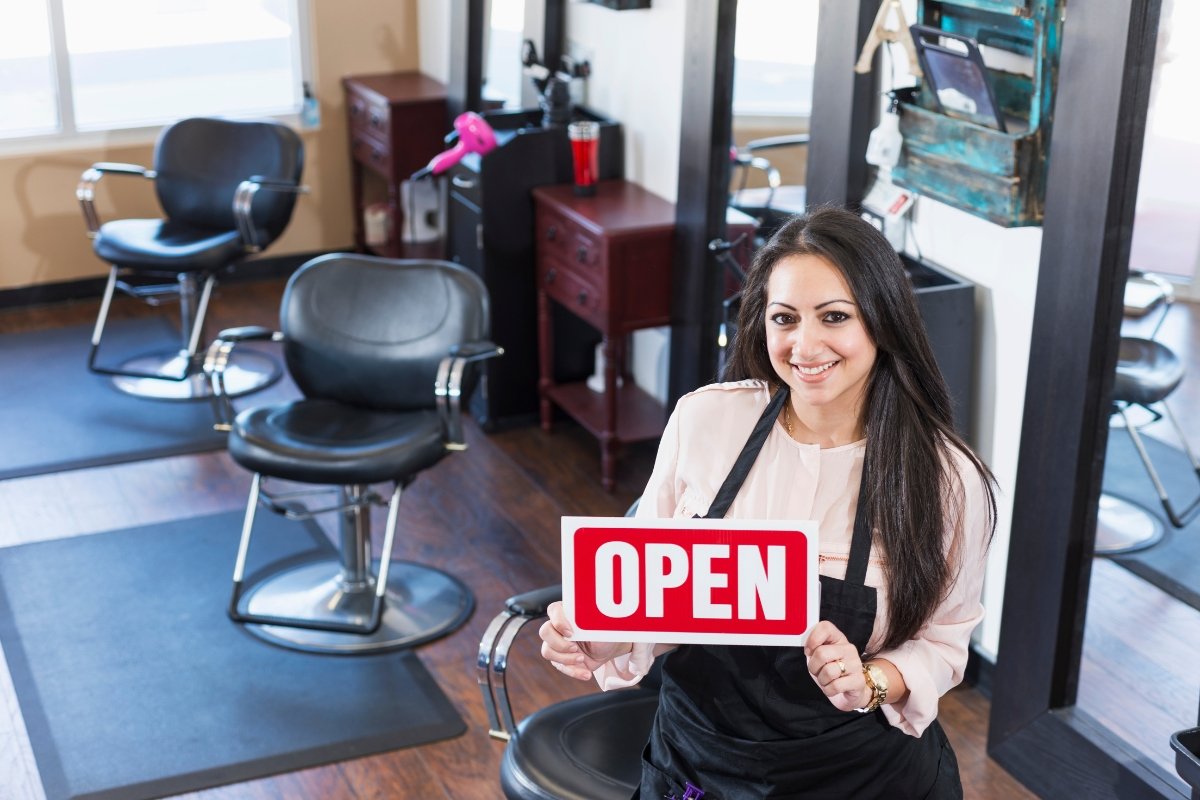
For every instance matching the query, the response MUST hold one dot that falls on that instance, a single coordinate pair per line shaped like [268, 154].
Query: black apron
[750, 722]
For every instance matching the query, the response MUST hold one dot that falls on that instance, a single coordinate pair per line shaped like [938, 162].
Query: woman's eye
[782, 319]
[836, 317]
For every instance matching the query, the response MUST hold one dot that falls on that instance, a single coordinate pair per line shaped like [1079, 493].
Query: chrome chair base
[1125, 527]
[247, 372]
[421, 603]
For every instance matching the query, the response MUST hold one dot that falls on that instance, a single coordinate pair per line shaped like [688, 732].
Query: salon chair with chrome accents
[385, 352]
[1148, 372]
[585, 748]
[226, 189]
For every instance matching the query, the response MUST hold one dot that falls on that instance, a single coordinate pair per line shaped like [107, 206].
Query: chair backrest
[200, 162]
[371, 331]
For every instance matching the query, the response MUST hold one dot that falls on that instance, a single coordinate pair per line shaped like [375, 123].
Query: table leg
[545, 359]
[608, 438]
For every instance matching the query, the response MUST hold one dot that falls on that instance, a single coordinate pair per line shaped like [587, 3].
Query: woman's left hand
[835, 665]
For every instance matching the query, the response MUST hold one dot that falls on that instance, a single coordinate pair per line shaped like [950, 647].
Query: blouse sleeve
[659, 501]
[933, 662]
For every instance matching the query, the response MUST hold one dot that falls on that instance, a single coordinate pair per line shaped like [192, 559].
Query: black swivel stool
[1147, 373]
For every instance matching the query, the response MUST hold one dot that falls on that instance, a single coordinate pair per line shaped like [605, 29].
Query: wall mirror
[1144, 579]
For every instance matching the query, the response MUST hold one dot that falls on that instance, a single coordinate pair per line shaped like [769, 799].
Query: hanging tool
[880, 32]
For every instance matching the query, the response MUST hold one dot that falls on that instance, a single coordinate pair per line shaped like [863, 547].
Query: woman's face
[815, 336]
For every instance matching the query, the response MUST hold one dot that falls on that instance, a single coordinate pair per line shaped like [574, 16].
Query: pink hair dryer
[474, 136]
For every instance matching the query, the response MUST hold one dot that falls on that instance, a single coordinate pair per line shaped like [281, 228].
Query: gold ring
[841, 666]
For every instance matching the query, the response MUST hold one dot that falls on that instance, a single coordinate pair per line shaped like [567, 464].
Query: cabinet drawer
[369, 116]
[566, 241]
[571, 289]
[370, 152]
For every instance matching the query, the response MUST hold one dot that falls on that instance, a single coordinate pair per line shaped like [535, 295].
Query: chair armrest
[533, 604]
[85, 191]
[773, 142]
[243, 205]
[491, 667]
[216, 360]
[449, 383]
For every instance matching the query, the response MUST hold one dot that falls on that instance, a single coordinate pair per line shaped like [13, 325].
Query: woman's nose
[806, 342]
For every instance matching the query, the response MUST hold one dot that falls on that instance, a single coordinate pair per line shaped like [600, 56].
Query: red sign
[691, 580]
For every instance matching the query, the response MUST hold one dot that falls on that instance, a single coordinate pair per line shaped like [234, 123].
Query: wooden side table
[607, 259]
[397, 121]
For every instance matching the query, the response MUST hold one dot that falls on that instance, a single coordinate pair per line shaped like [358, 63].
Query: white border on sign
[809, 527]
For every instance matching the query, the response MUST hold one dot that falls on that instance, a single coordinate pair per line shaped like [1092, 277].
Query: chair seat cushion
[586, 748]
[1147, 371]
[165, 245]
[323, 441]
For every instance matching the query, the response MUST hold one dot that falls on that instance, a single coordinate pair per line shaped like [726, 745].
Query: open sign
[711, 581]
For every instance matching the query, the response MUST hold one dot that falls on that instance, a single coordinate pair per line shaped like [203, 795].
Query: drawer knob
[581, 254]
[552, 233]
[551, 274]
[583, 298]
[376, 154]
[375, 119]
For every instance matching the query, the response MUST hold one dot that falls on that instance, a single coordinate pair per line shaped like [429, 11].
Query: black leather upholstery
[363, 337]
[586, 748]
[370, 332]
[1147, 371]
[200, 163]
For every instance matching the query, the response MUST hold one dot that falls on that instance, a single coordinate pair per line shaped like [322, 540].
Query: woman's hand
[836, 667]
[576, 659]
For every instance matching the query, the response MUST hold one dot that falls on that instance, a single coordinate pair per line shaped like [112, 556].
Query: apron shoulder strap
[745, 460]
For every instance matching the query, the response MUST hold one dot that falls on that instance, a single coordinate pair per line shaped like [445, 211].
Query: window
[73, 66]
[774, 51]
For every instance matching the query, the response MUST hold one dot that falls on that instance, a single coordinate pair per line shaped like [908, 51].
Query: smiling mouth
[814, 371]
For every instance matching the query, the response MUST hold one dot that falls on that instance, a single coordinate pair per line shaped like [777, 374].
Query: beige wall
[42, 235]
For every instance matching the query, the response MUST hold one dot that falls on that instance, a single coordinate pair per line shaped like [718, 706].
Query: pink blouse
[790, 480]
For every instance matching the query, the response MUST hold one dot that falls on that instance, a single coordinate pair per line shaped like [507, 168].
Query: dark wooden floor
[490, 516]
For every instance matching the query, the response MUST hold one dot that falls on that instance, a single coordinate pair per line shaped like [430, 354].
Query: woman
[836, 412]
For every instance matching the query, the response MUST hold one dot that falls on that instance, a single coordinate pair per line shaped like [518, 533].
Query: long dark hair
[908, 472]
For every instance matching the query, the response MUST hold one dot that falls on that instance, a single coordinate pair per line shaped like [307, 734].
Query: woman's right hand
[576, 659]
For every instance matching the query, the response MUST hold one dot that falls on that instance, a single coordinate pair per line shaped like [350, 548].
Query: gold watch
[877, 683]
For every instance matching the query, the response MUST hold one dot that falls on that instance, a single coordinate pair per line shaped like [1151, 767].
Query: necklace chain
[787, 418]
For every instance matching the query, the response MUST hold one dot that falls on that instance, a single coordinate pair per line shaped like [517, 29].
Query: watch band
[877, 683]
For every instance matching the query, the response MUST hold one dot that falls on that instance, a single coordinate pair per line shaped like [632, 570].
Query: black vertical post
[554, 33]
[705, 136]
[465, 89]
[843, 105]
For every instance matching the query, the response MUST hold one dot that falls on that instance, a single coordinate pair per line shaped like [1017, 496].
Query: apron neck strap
[745, 460]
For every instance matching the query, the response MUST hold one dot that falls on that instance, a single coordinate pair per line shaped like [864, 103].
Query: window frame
[69, 137]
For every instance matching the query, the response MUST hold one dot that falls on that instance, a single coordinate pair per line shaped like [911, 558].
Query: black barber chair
[774, 204]
[585, 748]
[1147, 373]
[226, 190]
[385, 352]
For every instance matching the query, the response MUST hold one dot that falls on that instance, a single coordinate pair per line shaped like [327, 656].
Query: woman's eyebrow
[831, 302]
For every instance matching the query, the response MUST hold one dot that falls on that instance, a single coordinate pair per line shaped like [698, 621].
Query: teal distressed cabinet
[999, 175]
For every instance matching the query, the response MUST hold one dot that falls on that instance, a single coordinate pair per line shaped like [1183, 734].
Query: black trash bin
[1186, 745]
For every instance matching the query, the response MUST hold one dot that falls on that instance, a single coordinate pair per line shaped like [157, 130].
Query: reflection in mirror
[503, 77]
[1143, 615]
[774, 53]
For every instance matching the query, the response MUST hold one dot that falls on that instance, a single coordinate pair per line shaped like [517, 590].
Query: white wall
[637, 79]
[1003, 264]
[433, 37]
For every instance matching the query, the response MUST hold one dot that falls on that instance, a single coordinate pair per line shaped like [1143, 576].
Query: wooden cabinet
[607, 259]
[396, 122]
